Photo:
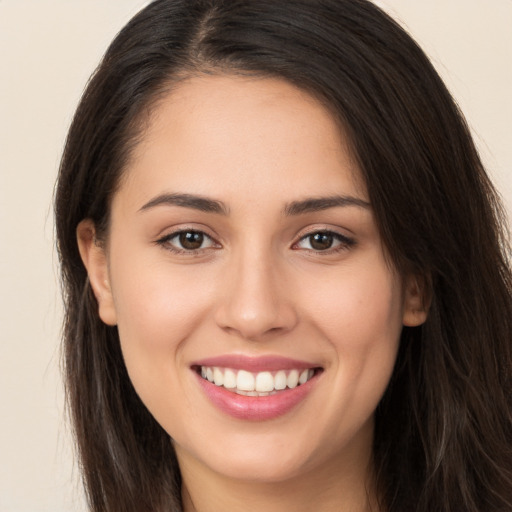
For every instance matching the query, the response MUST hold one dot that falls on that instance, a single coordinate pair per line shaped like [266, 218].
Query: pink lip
[255, 364]
[255, 408]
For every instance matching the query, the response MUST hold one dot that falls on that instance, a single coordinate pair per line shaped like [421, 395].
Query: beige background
[47, 50]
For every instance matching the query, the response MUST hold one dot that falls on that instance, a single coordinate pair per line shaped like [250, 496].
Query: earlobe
[95, 261]
[416, 301]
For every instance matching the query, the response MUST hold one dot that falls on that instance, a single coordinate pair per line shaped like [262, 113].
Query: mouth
[256, 384]
[256, 388]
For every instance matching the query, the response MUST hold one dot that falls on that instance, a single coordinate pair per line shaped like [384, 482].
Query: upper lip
[254, 364]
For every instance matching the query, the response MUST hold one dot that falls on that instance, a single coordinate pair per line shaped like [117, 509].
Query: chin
[258, 468]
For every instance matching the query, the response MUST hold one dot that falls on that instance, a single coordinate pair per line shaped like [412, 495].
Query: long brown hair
[443, 438]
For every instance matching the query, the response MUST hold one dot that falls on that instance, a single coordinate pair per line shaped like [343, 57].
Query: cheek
[157, 309]
[368, 341]
[362, 321]
[158, 302]
[359, 309]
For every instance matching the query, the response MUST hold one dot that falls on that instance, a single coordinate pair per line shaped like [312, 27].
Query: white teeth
[256, 384]
[245, 381]
[293, 379]
[280, 380]
[302, 379]
[264, 382]
[218, 377]
[229, 379]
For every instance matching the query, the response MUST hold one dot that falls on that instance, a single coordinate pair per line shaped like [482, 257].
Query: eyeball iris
[191, 240]
[321, 241]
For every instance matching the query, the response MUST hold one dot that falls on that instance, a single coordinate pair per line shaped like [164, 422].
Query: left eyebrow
[317, 204]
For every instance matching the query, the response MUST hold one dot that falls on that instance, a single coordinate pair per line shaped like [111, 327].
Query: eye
[187, 240]
[324, 241]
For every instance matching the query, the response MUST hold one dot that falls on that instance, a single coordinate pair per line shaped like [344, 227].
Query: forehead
[244, 133]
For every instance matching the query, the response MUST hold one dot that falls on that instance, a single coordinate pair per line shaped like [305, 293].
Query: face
[258, 315]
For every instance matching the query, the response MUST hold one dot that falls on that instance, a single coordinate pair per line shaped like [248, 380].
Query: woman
[285, 270]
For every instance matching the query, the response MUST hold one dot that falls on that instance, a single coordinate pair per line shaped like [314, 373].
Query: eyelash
[166, 242]
[343, 244]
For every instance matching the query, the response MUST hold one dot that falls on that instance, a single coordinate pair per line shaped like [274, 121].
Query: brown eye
[325, 241]
[321, 241]
[187, 241]
[191, 240]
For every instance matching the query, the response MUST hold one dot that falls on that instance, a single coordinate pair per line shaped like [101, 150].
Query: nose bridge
[256, 301]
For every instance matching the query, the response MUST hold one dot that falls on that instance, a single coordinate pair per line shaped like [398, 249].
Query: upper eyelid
[344, 240]
[174, 234]
[304, 233]
[324, 230]
[174, 231]
[334, 234]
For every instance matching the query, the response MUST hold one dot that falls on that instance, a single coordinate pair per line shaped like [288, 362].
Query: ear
[416, 300]
[95, 260]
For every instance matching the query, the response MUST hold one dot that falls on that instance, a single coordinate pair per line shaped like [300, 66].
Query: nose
[256, 301]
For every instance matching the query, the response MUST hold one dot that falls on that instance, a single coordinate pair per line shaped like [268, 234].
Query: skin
[256, 286]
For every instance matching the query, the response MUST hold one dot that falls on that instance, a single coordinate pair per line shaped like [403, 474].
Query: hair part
[443, 438]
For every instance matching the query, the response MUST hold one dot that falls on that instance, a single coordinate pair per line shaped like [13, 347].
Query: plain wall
[48, 48]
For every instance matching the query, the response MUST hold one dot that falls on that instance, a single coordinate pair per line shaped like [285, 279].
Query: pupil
[321, 241]
[191, 240]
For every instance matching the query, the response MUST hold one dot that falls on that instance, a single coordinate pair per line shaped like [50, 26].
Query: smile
[256, 389]
[259, 384]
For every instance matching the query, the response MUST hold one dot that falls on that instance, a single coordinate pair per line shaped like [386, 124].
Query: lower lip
[256, 408]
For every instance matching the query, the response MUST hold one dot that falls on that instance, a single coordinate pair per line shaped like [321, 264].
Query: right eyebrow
[201, 203]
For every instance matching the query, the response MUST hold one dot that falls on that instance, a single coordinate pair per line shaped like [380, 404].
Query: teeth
[264, 382]
[246, 383]
[293, 379]
[280, 380]
[229, 379]
[218, 377]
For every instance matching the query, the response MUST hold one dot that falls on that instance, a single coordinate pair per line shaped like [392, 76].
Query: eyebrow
[200, 203]
[311, 205]
[204, 204]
